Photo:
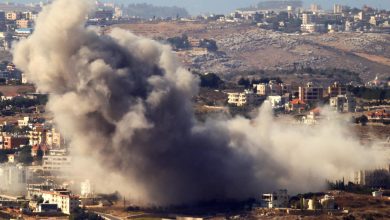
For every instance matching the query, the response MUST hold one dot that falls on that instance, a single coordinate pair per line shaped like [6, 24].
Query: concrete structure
[56, 163]
[377, 194]
[63, 198]
[86, 189]
[37, 135]
[311, 93]
[54, 138]
[277, 199]
[328, 202]
[338, 9]
[14, 177]
[23, 122]
[272, 88]
[23, 23]
[337, 89]
[343, 103]
[11, 142]
[12, 16]
[241, 98]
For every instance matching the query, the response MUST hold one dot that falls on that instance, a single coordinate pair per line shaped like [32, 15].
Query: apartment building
[311, 93]
[241, 98]
[63, 198]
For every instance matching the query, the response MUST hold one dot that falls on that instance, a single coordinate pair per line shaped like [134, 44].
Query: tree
[210, 45]
[244, 82]
[3, 157]
[39, 154]
[210, 80]
[25, 155]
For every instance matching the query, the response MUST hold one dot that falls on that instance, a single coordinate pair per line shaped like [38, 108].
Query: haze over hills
[224, 6]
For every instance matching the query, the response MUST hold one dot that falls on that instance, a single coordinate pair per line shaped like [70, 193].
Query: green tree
[25, 155]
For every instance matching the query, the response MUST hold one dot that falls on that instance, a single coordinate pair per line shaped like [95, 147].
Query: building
[54, 138]
[311, 93]
[295, 105]
[313, 117]
[241, 98]
[315, 8]
[14, 177]
[23, 122]
[337, 89]
[86, 189]
[308, 19]
[12, 16]
[381, 116]
[343, 103]
[37, 135]
[11, 142]
[328, 202]
[56, 163]
[313, 28]
[23, 23]
[63, 198]
[277, 199]
[375, 178]
[272, 88]
[338, 9]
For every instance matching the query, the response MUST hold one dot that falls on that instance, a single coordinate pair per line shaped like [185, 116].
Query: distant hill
[150, 11]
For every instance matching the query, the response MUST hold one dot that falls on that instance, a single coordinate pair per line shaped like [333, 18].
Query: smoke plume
[124, 102]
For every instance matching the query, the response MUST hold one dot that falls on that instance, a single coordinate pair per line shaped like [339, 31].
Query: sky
[195, 7]
[225, 6]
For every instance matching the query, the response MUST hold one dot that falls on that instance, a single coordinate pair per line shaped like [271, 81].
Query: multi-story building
[23, 122]
[337, 89]
[63, 198]
[343, 103]
[12, 16]
[272, 88]
[277, 199]
[57, 163]
[54, 138]
[241, 98]
[315, 8]
[23, 23]
[11, 142]
[86, 189]
[37, 135]
[311, 93]
[338, 9]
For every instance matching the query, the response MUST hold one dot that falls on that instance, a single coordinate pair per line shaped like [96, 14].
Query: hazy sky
[225, 6]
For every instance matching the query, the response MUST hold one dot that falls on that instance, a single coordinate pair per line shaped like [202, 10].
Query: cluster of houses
[287, 98]
[280, 199]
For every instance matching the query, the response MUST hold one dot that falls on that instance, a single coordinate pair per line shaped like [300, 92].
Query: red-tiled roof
[297, 102]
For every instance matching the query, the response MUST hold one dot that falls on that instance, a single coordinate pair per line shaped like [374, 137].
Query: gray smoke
[124, 103]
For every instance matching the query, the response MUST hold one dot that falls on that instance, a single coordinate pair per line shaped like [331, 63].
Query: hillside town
[36, 169]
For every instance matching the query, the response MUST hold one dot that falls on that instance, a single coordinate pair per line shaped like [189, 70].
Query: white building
[328, 202]
[277, 199]
[64, 200]
[14, 177]
[241, 98]
[23, 122]
[86, 189]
